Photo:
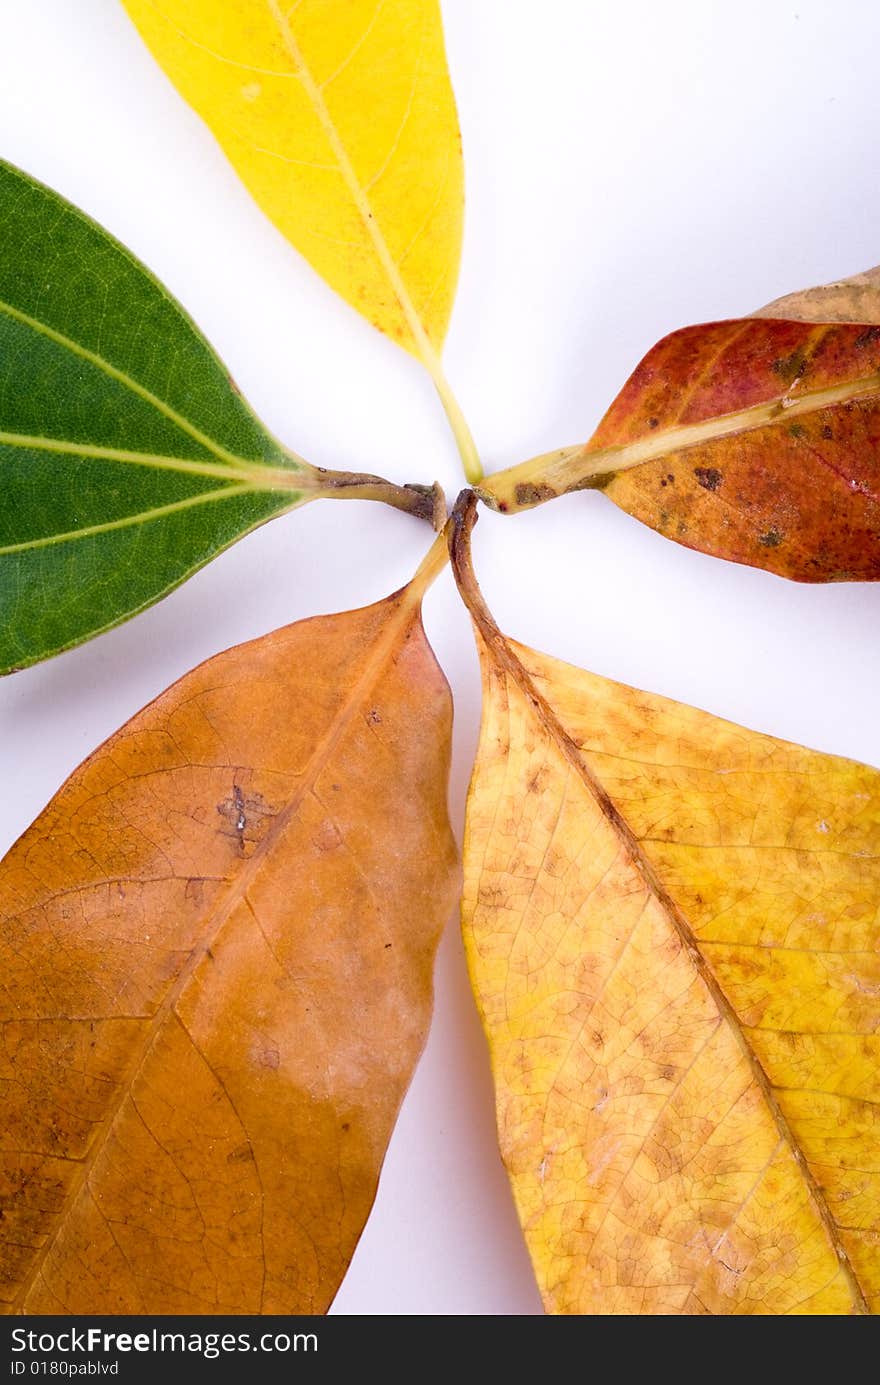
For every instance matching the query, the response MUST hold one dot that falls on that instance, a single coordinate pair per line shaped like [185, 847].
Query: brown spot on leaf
[528, 493]
[790, 367]
[772, 539]
[244, 815]
[241, 1155]
[709, 477]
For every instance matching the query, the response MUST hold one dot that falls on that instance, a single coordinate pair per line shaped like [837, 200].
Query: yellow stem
[431, 565]
[464, 441]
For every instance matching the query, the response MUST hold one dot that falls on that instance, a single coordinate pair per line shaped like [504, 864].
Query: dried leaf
[216, 950]
[756, 440]
[672, 931]
[340, 120]
[856, 299]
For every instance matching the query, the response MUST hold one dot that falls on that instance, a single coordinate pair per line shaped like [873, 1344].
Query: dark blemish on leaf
[790, 367]
[375, 717]
[670, 478]
[240, 1155]
[827, 432]
[240, 812]
[592, 483]
[709, 477]
[336, 787]
[346, 1125]
[503, 506]
[663, 518]
[653, 423]
[681, 528]
[797, 430]
[772, 539]
[387, 945]
[233, 810]
[667, 1072]
[529, 494]
[865, 338]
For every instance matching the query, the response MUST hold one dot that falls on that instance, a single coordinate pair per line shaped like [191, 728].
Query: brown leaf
[755, 440]
[856, 299]
[216, 950]
[672, 930]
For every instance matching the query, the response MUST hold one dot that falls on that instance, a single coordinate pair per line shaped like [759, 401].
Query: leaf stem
[459, 529]
[531, 482]
[431, 565]
[464, 440]
[424, 502]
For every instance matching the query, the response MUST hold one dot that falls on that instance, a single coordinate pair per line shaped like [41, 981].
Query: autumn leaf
[756, 440]
[672, 931]
[339, 117]
[216, 949]
[128, 458]
[856, 299]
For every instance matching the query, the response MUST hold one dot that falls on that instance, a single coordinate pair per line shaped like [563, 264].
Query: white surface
[630, 167]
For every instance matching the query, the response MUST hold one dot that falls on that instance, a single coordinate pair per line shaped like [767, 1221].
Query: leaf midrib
[253, 474]
[357, 192]
[230, 460]
[579, 467]
[501, 652]
[128, 381]
[782, 408]
[409, 601]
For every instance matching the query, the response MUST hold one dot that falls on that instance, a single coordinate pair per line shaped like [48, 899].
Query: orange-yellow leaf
[216, 946]
[672, 930]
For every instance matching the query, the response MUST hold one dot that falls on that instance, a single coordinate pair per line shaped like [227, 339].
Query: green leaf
[127, 457]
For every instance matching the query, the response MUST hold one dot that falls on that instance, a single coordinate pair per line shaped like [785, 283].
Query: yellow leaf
[339, 117]
[671, 925]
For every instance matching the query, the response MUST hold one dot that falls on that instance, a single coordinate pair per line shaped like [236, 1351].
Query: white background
[631, 167]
